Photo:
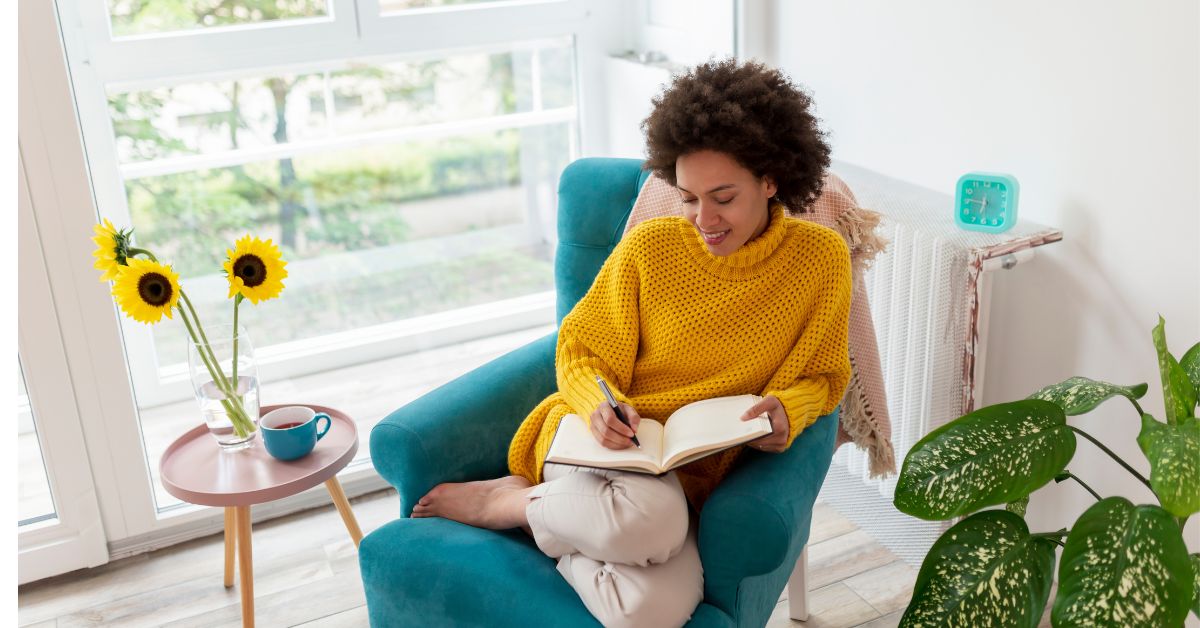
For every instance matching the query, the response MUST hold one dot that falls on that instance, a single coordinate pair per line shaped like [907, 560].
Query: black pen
[612, 401]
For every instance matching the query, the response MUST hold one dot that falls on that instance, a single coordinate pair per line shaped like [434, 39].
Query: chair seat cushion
[449, 574]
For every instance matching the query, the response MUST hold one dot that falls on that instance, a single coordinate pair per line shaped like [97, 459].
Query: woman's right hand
[609, 430]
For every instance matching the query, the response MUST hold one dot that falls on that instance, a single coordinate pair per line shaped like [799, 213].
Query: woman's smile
[714, 238]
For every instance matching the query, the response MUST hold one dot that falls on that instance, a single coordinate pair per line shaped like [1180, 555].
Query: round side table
[195, 470]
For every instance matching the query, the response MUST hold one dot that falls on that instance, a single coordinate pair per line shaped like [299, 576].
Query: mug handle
[328, 424]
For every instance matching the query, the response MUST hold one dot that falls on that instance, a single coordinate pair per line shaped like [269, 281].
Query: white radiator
[929, 300]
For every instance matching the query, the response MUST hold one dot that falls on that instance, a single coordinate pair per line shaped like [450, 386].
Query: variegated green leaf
[1179, 395]
[1080, 394]
[1174, 455]
[1018, 507]
[1191, 365]
[1123, 565]
[1195, 558]
[992, 456]
[985, 571]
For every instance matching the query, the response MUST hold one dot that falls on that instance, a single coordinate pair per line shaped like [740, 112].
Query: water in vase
[215, 416]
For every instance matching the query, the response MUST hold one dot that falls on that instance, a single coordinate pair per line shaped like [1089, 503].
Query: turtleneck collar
[749, 259]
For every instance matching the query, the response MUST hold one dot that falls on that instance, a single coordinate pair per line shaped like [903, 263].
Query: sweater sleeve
[599, 336]
[814, 375]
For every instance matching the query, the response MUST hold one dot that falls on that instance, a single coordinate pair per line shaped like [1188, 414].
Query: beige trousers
[626, 542]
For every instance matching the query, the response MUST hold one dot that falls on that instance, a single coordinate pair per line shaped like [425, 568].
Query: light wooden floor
[306, 573]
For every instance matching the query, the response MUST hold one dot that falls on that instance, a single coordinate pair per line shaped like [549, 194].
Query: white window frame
[90, 326]
[189, 56]
[75, 536]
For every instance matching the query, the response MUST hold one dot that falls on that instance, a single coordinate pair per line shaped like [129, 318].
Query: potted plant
[1122, 564]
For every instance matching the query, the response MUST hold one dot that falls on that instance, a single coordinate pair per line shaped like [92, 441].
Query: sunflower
[255, 269]
[146, 290]
[112, 247]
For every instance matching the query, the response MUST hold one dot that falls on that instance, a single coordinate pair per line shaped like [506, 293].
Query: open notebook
[693, 431]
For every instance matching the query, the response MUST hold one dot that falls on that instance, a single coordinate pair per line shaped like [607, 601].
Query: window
[143, 17]
[34, 502]
[395, 189]
[403, 155]
[396, 6]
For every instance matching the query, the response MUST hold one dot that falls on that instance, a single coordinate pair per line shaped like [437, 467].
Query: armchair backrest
[595, 197]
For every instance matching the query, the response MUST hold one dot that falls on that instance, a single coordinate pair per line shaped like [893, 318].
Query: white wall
[1095, 107]
[686, 32]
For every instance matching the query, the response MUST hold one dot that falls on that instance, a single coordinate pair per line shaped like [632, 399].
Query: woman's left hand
[776, 441]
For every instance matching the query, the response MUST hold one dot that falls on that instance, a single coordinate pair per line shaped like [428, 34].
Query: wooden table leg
[230, 544]
[343, 506]
[245, 565]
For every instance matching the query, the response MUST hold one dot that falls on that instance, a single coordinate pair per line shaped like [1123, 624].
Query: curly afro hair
[748, 111]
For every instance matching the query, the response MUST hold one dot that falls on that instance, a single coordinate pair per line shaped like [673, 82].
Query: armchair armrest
[461, 430]
[757, 518]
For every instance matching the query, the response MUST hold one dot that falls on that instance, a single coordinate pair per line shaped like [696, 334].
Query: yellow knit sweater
[667, 323]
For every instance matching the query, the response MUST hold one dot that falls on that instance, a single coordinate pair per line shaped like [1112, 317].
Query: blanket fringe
[858, 421]
[857, 225]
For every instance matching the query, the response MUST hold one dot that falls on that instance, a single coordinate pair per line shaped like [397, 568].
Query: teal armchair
[436, 572]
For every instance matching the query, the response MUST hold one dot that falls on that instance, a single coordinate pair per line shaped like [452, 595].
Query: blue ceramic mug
[291, 432]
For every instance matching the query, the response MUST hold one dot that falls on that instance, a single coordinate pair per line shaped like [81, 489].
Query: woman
[736, 297]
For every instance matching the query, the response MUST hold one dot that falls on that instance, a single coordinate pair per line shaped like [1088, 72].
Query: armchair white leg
[798, 588]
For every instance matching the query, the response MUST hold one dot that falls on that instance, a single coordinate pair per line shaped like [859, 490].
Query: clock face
[986, 202]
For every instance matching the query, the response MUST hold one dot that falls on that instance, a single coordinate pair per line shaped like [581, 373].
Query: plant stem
[205, 349]
[1114, 456]
[237, 300]
[230, 410]
[133, 252]
[203, 336]
[1084, 485]
[1052, 536]
[241, 421]
[1136, 406]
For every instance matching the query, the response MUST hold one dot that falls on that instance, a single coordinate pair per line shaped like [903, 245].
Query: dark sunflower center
[154, 289]
[251, 269]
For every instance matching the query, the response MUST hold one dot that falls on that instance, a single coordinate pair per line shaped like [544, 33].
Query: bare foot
[494, 504]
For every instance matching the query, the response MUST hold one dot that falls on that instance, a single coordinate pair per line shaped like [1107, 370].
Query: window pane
[394, 6]
[375, 234]
[34, 502]
[395, 190]
[224, 117]
[141, 17]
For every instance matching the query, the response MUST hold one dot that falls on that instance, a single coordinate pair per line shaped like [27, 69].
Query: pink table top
[194, 469]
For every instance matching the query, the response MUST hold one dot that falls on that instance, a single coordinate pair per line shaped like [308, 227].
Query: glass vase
[223, 404]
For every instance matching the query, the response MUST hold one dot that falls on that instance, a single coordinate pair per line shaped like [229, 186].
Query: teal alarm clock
[986, 201]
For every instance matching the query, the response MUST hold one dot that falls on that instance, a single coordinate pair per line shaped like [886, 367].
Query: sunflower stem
[237, 300]
[236, 414]
[136, 251]
[196, 317]
[227, 387]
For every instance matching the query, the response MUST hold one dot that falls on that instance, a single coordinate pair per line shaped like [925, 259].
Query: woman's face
[723, 200]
